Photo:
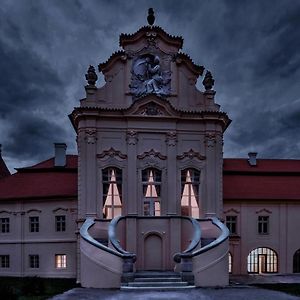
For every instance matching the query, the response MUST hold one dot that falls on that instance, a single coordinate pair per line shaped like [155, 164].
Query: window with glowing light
[60, 261]
[262, 260]
[190, 180]
[151, 191]
[112, 192]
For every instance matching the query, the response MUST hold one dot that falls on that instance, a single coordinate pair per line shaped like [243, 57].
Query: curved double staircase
[104, 263]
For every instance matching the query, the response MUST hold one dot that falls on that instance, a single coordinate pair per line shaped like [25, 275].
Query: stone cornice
[126, 39]
[184, 58]
[118, 55]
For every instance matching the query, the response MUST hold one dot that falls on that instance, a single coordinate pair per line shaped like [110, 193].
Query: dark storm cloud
[252, 48]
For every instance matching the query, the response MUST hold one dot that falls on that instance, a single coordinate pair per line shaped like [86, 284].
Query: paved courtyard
[239, 290]
[233, 293]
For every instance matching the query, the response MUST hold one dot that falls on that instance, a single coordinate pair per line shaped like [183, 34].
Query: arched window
[112, 192]
[190, 179]
[262, 260]
[296, 262]
[229, 262]
[151, 179]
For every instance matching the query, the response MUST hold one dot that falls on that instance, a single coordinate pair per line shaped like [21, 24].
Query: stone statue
[148, 78]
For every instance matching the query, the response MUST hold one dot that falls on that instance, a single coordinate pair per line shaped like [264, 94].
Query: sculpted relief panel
[149, 77]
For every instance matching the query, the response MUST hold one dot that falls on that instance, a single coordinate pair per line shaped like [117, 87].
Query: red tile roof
[42, 180]
[269, 179]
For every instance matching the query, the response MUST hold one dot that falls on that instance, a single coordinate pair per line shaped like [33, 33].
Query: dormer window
[112, 192]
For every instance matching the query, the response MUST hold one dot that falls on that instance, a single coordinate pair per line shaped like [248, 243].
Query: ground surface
[232, 293]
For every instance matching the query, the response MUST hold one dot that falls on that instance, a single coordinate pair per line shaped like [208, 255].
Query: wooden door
[153, 254]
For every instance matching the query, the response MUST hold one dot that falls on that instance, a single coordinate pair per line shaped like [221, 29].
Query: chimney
[252, 158]
[60, 154]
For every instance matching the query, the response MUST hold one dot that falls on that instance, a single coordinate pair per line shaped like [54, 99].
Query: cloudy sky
[252, 48]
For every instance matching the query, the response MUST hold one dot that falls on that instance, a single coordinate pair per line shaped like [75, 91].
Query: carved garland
[152, 153]
[112, 153]
[191, 154]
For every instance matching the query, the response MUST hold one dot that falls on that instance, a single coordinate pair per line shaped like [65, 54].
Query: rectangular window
[263, 224]
[60, 261]
[60, 222]
[4, 261]
[34, 261]
[231, 223]
[34, 224]
[4, 225]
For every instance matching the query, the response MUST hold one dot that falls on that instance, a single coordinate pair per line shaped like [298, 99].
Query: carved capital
[171, 138]
[91, 136]
[210, 139]
[131, 137]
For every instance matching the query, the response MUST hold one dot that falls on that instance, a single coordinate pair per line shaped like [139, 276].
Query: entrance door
[153, 253]
[262, 263]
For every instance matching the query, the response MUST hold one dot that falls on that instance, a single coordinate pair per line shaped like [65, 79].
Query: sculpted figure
[155, 81]
[148, 78]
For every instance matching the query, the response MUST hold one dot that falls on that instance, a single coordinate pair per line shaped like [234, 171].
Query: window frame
[5, 224]
[107, 182]
[151, 205]
[34, 224]
[60, 261]
[232, 223]
[263, 225]
[34, 261]
[4, 261]
[190, 185]
[60, 223]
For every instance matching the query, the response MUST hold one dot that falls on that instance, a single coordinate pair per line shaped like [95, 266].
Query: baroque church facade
[149, 189]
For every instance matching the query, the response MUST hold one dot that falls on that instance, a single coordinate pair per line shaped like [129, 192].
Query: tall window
[231, 223]
[34, 261]
[262, 260]
[34, 224]
[112, 192]
[60, 261]
[263, 224]
[151, 191]
[229, 262]
[60, 223]
[296, 262]
[4, 225]
[190, 180]
[4, 261]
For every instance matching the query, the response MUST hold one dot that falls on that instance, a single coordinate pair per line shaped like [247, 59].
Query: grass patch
[289, 288]
[33, 288]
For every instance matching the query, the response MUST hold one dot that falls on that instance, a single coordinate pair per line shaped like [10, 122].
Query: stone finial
[151, 17]
[208, 81]
[91, 76]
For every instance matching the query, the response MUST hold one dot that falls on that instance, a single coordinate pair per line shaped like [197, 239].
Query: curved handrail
[223, 236]
[116, 244]
[112, 235]
[88, 223]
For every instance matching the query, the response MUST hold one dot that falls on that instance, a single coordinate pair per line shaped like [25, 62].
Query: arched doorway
[153, 254]
[296, 262]
[262, 260]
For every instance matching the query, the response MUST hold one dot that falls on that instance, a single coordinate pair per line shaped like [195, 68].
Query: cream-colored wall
[19, 243]
[283, 235]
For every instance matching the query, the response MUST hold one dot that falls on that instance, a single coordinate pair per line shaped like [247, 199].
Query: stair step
[157, 284]
[156, 288]
[157, 279]
[156, 274]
